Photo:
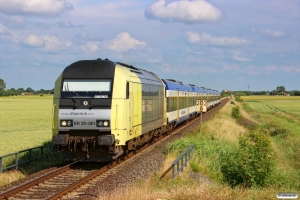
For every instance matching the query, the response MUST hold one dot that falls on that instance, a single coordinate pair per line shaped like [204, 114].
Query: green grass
[284, 113]
[281, 114]
[265, 97]
[25, 122]
[206, 152]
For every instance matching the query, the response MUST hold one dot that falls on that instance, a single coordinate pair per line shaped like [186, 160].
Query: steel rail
[8, 193]
[93, 175]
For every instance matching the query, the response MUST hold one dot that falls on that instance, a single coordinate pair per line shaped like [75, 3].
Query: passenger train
[104, 109]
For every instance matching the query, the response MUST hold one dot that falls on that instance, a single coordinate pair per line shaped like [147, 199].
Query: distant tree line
[20, 91]
[280, 90]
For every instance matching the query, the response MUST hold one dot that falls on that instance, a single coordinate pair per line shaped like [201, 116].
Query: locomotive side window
[86, 88]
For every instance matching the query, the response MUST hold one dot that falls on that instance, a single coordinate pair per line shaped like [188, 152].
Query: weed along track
[89, 180]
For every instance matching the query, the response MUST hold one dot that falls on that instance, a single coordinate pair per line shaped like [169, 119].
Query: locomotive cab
[82, 111]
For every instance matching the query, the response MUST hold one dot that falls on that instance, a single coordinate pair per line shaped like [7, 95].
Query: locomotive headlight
[102, 123]
[105, 123]
[63, 123]
[66, 123]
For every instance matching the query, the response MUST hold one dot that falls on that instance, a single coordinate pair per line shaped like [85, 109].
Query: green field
[281, 110]
[265, 97]
[281, 116]
[25, 122]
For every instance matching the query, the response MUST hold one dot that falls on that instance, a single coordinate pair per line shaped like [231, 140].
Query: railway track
[73, 180]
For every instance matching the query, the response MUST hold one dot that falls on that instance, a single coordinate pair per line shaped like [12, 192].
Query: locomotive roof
[92, 69]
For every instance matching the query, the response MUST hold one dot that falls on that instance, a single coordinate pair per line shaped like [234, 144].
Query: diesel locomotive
[104, 109]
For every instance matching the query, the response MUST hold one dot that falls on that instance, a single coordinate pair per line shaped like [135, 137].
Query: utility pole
[248, 87]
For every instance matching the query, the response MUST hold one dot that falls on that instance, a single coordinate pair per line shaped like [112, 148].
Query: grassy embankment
[222, 134]
[25, 123]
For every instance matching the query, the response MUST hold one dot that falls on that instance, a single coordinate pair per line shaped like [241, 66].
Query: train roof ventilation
[192, 85]
[128, 66]
[101, 59]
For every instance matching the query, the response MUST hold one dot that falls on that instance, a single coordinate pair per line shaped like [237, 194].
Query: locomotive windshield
[86, 88]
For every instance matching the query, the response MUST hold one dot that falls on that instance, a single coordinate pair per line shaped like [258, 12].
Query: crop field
[283, 111]
[25, 122]
[264, 97]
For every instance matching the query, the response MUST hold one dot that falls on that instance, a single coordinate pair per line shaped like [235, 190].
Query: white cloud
[183, 11]
[63, 24]
[47, 43]
[290, 69]
[230, 67]
[3, 30]
[269, 33]
[273, 33]
[239, 57]
[123, 42]
[53, 43]
[90, 47]
[270, 68]
[17, 20]
[33, 41]
[205, 38]
[34, 7]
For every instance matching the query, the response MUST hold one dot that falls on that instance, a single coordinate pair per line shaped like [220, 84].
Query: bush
[251, 164]
[235, 113]
[238, 99]
[232, 102]
[275, 129]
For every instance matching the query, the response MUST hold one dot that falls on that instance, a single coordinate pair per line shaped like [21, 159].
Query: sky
[236, 45]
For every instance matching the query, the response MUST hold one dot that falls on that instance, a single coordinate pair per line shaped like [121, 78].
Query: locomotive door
[130, 106]
[135, 104]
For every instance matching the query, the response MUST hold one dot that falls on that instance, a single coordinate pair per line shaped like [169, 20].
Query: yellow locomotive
[103, 109]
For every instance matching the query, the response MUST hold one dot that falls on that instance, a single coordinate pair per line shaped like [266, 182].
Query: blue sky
[216, 44]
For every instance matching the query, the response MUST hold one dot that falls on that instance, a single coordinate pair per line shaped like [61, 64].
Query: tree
[9, 93]
[42, 91]
[280, 89]
[225, 93]
[296, 93]
[21, 90]
[29, 89]
[2, 87]
[14, 91]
